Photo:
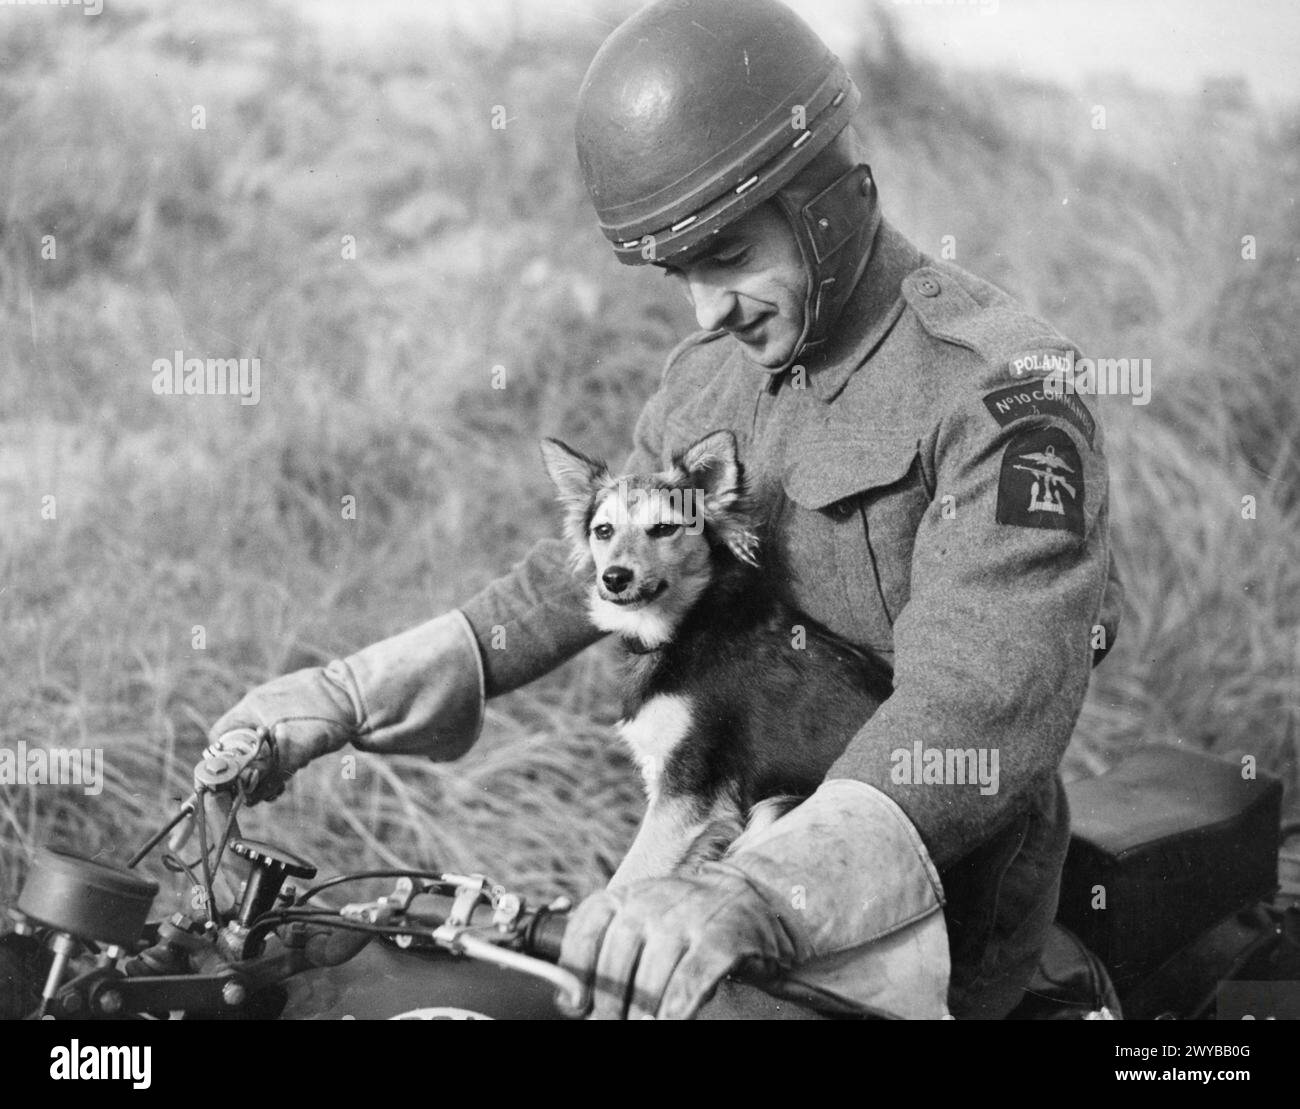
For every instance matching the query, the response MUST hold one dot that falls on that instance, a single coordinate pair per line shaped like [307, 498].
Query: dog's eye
[602, 532]
[663, 531]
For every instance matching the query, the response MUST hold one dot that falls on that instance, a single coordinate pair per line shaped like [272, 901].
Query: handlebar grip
[546, 935]
[542, 937]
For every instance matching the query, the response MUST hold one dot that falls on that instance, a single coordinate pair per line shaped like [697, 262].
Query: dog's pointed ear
[712, 465]
[577, 479]
[574, 475]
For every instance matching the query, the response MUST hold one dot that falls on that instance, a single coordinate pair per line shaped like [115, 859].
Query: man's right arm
[423, 690]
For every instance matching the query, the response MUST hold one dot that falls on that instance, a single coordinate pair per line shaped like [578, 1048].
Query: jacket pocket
[853, 503]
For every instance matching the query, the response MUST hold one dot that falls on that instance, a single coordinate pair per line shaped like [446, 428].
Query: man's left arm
[992, 656]
[993, 650]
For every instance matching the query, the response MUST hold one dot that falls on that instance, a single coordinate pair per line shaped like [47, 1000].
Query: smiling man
[907, 509]
[750, 282]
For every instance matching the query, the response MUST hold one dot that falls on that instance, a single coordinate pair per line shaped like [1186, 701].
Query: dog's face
[645, 538]
[645, 541]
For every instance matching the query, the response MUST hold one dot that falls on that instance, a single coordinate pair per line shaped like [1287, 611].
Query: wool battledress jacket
[928, 498]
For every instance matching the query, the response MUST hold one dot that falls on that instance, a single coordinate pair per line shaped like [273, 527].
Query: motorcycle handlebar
[543, 929]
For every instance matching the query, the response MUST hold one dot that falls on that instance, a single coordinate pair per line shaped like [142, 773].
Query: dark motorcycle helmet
[695, 112]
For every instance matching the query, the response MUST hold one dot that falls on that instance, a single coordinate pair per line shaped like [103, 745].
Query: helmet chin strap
[813, 288]
[830, 281]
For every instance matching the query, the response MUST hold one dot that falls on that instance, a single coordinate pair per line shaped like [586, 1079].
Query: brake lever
[572, 994]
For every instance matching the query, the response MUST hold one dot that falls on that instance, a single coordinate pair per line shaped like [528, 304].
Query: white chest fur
[654, 733]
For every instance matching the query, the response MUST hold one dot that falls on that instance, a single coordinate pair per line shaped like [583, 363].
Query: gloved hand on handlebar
[840, 895]
[303, 715]
[419, 692]
[659, 947]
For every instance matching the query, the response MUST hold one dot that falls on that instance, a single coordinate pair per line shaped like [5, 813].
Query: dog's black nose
[617, 578]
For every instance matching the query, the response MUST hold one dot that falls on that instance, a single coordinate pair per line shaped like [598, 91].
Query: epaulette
[1009, 341]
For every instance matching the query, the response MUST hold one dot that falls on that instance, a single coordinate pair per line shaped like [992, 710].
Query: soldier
[915, 506]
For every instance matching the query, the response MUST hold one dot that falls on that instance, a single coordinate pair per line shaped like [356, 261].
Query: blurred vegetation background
[475, 248]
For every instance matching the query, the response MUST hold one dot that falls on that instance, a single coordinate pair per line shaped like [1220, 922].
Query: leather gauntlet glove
[868, 898]
[419, 692]
[838, 899]
[660, 946]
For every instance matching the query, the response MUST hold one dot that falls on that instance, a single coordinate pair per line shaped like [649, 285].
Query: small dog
[736, 704]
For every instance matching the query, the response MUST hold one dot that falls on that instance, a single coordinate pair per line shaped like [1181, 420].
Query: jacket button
[927, 286]
[842, 510]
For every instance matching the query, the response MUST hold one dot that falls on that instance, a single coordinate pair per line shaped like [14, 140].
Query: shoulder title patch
[1041, 362]
[1015, 402]
[1041, 484]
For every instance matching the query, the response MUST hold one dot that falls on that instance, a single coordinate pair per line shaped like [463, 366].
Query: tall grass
[475, 249]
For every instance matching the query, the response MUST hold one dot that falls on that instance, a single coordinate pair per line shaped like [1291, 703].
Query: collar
[871, 311]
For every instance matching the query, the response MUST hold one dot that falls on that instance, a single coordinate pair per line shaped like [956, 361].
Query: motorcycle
[1170, 908]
